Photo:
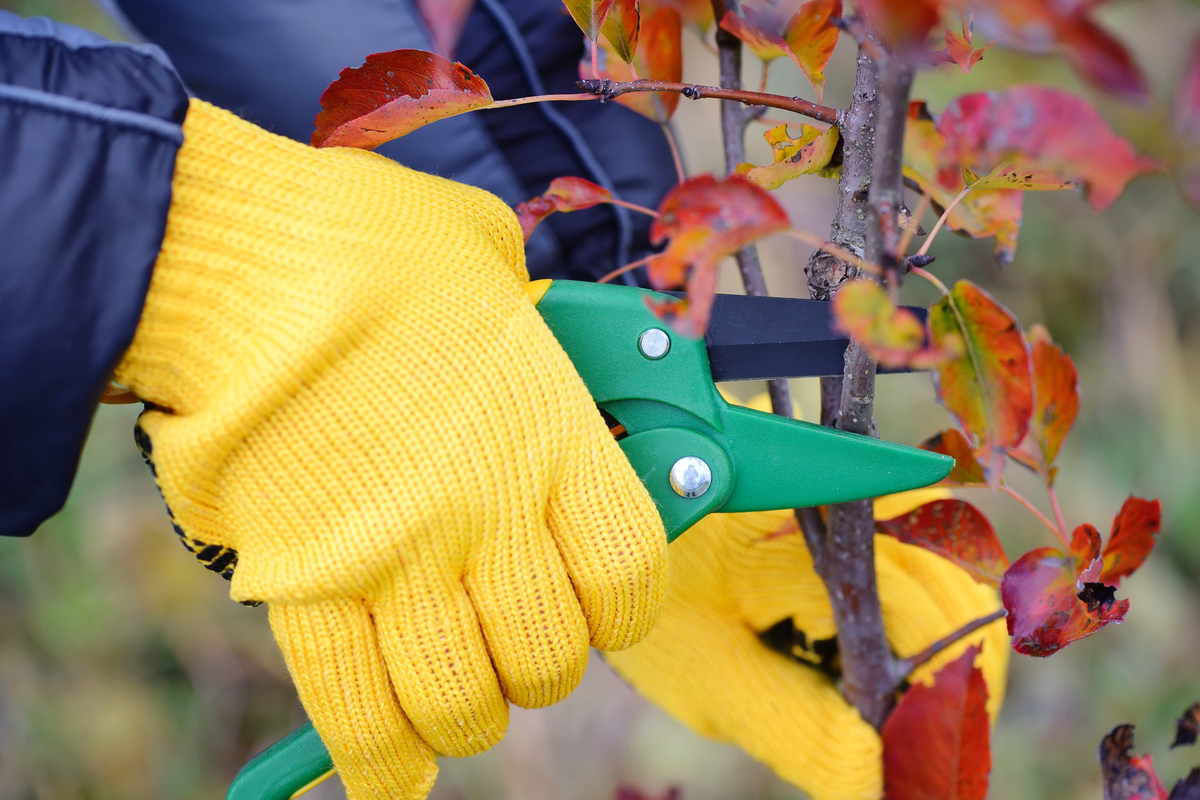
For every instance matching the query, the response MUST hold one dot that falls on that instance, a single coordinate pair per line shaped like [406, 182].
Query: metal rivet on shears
[654, 343]
[690, 477]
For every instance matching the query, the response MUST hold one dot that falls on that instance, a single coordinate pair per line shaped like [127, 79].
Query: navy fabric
[270, 61]
[88, 136]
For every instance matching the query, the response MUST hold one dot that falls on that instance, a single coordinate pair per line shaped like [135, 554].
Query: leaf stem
[540, 98]
[619, 271]
[675, 156]
[905, 666]
[914, 225]
[942, 221]
[634, 207]
[834, 250]
[609, 90]
[929, 276]
[1020, 498]
[1058, 517]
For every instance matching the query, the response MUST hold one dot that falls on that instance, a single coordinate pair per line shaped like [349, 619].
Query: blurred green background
[125, 671]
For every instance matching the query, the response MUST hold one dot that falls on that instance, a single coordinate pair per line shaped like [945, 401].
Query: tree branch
[905, 666]
[607, 90]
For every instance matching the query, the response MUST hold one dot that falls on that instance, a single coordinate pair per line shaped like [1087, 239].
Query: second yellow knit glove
[356, 413]
[736, 576]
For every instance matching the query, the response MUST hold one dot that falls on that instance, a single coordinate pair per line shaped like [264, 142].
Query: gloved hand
[358, 415]
[734, 576]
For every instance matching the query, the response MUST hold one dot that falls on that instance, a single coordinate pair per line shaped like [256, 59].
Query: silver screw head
[690, 477]
[654, 343]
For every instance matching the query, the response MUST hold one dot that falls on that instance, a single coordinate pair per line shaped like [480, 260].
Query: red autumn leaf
[1127, 777]
[892, 335]
[392, 94]
[659, 57]
[445, 20]
[955, 530]
[988, 389]
[621, 28]
[1056, 399]
[589, 15]
[983, 212]
[960, 49]
[936, 744]
[1038, 128]
[952, 443]
[807, 36]
[1053, 599]
[564, 194]
[697, 13]
[1134, 531]
[706, 219]
[902, 22]
[1038, 26]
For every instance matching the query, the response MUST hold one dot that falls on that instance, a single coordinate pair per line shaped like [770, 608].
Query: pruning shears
[695, 452]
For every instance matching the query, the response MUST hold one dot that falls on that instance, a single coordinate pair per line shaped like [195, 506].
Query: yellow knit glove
[734, 576]
[359, 416]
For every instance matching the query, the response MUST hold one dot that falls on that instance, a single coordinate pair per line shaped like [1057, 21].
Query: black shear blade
[759, 338]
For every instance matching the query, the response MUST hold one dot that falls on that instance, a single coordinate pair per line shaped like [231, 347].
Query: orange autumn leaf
[808, 36]
[904, 23]
[960, 49]
[1056, 398]
[589, 15]
[659, 57]
[1038, 128]
[392, 94]
[989, 389]
[621, 28]
[705, 219]
[563, 194]
[952, 443]
[893, 336]
[1134, 531]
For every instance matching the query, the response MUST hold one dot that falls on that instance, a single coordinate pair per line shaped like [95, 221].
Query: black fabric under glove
[88, 136]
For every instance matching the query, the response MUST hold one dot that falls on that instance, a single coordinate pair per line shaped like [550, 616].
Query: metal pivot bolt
[690, 477]
[654, 343]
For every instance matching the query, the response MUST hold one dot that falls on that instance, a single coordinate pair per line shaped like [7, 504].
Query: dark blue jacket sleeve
[270, 60]
[88, 135]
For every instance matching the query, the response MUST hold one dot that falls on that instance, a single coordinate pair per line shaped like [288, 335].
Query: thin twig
[834, 250]
[632, 265]
[671, 143]
[905, 666]
[1020, 498]
[913, 227]
[942, 221]
[1058, 517]
[608, 90]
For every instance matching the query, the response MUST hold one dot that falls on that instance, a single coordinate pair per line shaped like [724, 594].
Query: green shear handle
[695, 453]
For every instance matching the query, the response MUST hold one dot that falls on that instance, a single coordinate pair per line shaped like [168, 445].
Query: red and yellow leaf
[936, 743]
[893, 336]
[807, 155]
[706, 219]
[1038, 26]
[952, 443]
[392, 94]
[759, 31]
[621, 28]
[1056, 397]
[955, 530]
[988, 389]
[1127, 777]
[589, 15]
[959, 48]
[1038, 128]
[1134, 531]
[659, 57]
[1052, 600]
[904, 23]
[564, 194]
[811, 39]
[983, 212]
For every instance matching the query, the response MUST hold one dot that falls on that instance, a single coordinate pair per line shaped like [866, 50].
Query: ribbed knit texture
[352, 391]
[736, 575]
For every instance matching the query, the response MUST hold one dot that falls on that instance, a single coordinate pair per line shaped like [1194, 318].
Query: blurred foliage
[125, 671]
